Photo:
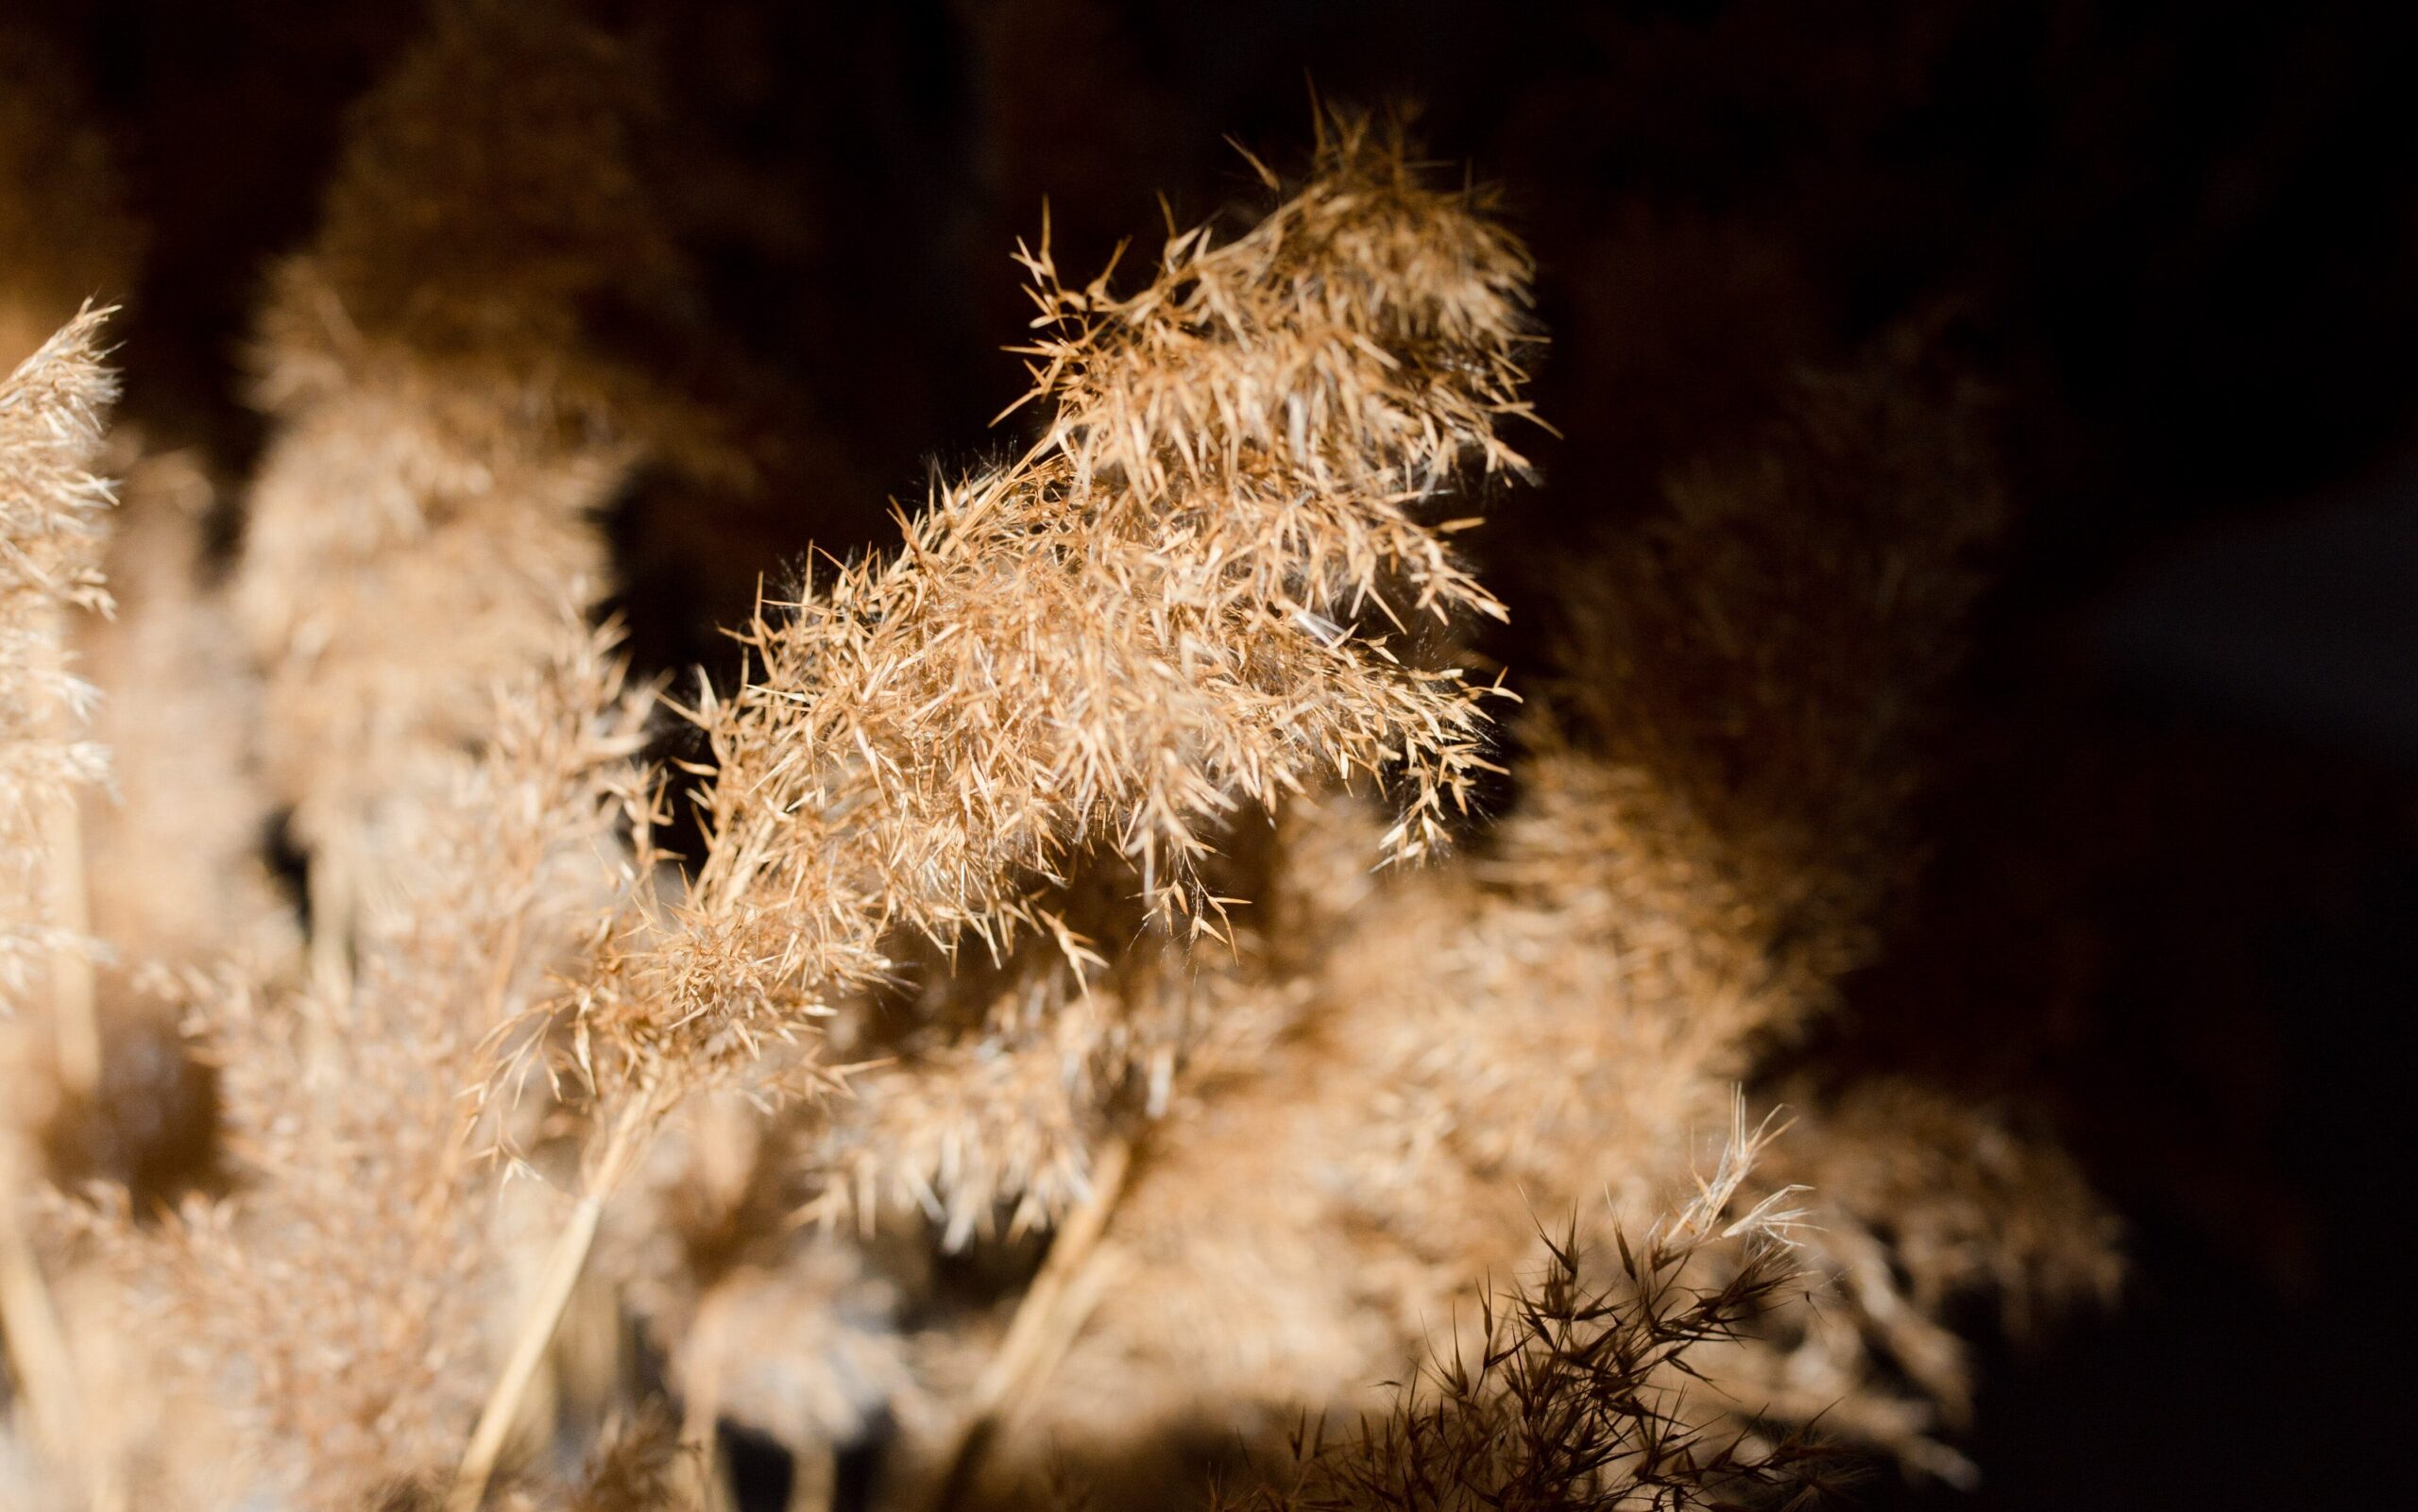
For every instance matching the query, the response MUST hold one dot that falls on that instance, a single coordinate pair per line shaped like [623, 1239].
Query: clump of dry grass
[1157, 615]
[1577, 1394]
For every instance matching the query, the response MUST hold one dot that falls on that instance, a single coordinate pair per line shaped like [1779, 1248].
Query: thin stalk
[331, 889]
[75, 1020]
[74, 1027]
[1048, 1317]
[564, 1262]
[38, 1354]
[698, 1465]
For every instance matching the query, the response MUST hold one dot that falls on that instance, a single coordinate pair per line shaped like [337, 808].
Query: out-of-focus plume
[458, 381]
[172, 846]
[332, 1315]
[1923, 1211]
[1574, 1393]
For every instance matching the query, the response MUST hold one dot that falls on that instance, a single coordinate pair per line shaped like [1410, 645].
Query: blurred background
[2173, 866]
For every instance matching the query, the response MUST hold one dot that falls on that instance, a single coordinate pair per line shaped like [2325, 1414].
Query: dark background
[2173, 877]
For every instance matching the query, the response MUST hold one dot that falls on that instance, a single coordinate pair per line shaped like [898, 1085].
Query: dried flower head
[1188, 598]
[1579, 1394]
